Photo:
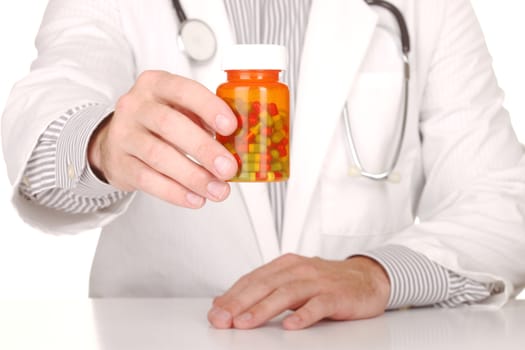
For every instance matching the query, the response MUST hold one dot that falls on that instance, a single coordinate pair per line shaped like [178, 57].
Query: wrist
[94, 155]
[377, 276]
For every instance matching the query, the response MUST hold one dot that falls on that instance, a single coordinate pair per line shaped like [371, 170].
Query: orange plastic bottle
[261, 103]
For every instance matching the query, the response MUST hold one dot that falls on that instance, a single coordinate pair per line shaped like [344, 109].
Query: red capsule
[253, 119]
[267, 131]
[261, 176]
[250, 138]
[256, 107]
[272, 109]
[282, 150]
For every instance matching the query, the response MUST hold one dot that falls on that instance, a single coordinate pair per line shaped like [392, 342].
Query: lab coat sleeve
[472, 208]
[83, 58]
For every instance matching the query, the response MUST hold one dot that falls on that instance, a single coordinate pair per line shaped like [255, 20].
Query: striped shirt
[58, 176]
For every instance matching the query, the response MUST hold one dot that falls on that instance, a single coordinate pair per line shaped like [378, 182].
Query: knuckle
[290, 258]
[153, 154]
[286, 292]
[203, 150]
[217, 301]
[149, 77]
[163, 121]
[234, 306]
[197, 178]
[125, 103]
[307, 313]
[245, 280]
[306, 269]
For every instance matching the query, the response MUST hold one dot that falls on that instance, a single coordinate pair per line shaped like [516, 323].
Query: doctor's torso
[157, 249]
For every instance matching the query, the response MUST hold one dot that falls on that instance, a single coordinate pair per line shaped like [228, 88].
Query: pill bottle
[261, 104]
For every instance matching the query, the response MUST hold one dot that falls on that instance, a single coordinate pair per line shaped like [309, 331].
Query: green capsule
[277, 137]
[276, 166]
[245, 176]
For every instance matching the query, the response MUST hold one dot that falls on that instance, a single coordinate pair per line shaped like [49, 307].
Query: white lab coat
[462, 170]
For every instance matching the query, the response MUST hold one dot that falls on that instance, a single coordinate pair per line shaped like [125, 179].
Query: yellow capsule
[278, 125]
[256, 167]
[274, 153]
[269, 122]
[255, 130]
[257, 148]
[263, 117]
[270, 177]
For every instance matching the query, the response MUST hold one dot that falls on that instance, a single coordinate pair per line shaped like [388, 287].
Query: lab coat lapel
[255, 195]
[337, 38]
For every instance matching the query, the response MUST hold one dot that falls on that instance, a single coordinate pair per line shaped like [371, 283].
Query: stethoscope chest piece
[197, 40]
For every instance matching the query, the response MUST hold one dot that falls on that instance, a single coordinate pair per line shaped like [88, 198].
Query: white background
[35, 265]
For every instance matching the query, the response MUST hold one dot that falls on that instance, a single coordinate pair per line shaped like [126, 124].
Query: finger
[165, 159]
[316, 309]
[182, 132]
[255, 292]
[189, 94]
[265, 272]
[255, 286]
[282, 299]
[143, 178]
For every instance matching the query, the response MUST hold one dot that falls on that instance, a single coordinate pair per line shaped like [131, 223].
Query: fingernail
[245, 317]
[224, 166]
[220, 314]
[194, 200]
[217, 189]
[223, 124]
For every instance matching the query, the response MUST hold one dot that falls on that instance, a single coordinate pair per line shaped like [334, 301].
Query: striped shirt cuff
[414, 279]
[72, 168]
[58, 175]
[417, 281]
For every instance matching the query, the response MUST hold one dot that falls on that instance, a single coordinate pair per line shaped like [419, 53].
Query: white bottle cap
[260, 57]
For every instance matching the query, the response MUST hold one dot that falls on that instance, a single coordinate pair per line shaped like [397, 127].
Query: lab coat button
[71, 171]
[25, 181]
[498, 288]
[354, 171]
[394, 178]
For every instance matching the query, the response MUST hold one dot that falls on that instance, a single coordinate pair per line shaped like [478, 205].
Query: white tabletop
[157, 324]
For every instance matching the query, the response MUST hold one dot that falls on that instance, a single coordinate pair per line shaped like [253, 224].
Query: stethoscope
[197, 40]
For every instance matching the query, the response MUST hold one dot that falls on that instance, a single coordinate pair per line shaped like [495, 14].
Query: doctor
[95, 136]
